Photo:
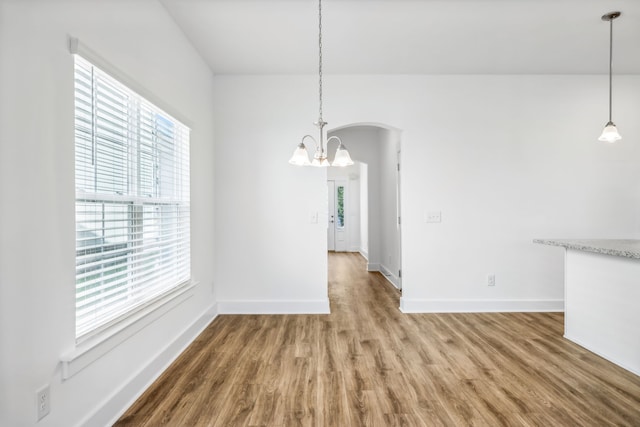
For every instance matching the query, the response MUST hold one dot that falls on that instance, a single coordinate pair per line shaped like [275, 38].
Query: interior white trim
[274, 307]
[76, 47]
[369, 124]
[121, 399]
[392, 278]
[408, 305]
[604, 356]
[373, 266]
[87, 352]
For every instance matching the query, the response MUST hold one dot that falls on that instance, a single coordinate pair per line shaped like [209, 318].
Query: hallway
[367, 364]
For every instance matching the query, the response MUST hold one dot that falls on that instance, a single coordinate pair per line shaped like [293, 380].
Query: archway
[373, 187]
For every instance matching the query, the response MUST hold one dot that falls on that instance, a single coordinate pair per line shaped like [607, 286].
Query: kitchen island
[602, 297]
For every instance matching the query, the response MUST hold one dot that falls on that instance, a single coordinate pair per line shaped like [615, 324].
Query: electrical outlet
[491, 280]
[43, 401]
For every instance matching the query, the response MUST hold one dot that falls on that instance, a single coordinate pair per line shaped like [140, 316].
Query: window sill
[87, 352]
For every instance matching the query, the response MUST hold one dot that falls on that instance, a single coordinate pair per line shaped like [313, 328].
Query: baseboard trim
[373, 266]
[364, 254]
[392, 278]
[120, 400]
[478, 306]
[274, 307]
[604, 356]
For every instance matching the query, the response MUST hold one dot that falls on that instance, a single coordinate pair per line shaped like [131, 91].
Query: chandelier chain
[301, 155]
[320, 55]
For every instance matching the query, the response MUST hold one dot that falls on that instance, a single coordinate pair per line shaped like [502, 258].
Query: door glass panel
[340, 202]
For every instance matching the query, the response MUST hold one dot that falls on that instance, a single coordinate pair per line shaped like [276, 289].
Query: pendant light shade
[610, 133]
[300, 155]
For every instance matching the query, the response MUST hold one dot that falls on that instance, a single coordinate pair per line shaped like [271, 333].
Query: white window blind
[132, 201]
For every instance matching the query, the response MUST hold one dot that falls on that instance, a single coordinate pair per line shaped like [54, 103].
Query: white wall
[602, 313]
[505, 159]
[37, 249]
[390, 233]
[270, 257]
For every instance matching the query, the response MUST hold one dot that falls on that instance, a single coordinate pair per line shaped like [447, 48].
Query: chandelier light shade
[301, 155]
[610, 133]
[342, 157]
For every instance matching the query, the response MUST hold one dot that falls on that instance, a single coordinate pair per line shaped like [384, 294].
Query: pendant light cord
[320, 55]
[610, 65]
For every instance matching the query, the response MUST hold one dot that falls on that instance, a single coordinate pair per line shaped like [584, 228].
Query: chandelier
[301, 155]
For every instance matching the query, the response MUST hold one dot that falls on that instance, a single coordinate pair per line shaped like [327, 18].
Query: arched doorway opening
[364, 199]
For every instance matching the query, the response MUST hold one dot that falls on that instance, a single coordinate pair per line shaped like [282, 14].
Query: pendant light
[610, 132]
[301, 155]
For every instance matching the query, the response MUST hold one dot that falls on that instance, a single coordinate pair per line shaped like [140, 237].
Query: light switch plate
[433, 216]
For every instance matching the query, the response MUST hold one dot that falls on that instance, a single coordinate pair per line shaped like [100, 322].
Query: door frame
[399, 215]
[331, 209]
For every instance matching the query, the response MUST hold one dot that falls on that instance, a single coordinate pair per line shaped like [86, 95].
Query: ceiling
[411, 36]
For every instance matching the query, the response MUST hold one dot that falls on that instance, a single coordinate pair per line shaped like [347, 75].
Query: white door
[338, 239]
[340, 225]
[331, 235]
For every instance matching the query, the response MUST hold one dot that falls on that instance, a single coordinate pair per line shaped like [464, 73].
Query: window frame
[105, 335]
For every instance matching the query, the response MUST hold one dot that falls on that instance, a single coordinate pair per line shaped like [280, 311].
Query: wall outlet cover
[491, 280]
[43, 401]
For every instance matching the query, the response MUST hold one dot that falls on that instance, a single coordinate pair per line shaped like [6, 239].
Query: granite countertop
[623, 248]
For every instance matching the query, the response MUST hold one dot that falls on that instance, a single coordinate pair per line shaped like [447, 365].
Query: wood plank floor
[367, 364]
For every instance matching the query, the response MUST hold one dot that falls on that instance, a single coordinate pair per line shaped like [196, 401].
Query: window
[132, 201]
[340, 199]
